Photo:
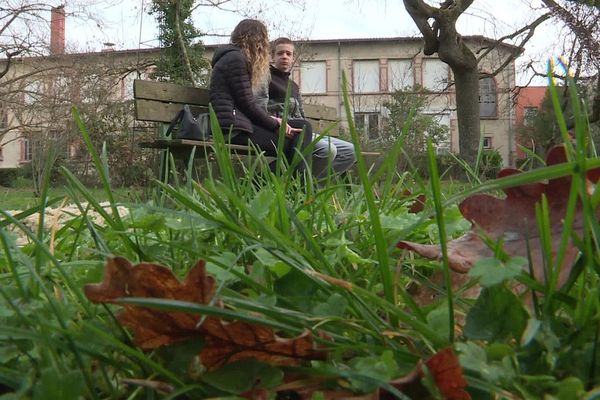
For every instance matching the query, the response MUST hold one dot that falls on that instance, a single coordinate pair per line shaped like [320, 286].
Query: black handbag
[190, 127]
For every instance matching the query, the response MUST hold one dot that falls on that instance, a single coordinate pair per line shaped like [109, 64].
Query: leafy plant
[310, 275]
[407, 109]
[182, 61]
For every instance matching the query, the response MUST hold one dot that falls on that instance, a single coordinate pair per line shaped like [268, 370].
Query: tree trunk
[595, 117]
[454, 52]
[438, 26]
[187, 70]
[467, 112]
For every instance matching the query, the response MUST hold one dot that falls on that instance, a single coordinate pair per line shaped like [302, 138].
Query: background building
[38, 93]
[528, 100]
[377, 67]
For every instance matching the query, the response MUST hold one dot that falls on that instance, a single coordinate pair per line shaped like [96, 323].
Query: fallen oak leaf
[513, 220]
[225, 341]
[122, 279]
[446, 371]
[159, 386]
[229, 342]
[448, 374]
[418, 204]
[153, 328]
[444, 367]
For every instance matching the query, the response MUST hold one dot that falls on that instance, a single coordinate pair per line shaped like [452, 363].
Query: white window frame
[313, 77]
[32, 92]
[401, 75]
[61, 88]
[366, 76]
[127, 86]
[487, 143]
[3, 116]
[26, 150]
[437, 79]
[488, 97]
[366, 124]
[443, 118]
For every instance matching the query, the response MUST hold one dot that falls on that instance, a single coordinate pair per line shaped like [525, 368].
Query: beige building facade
[374, 69]
[38, 93]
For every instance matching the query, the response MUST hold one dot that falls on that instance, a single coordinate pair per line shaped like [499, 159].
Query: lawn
[24, 198]
[271, 286]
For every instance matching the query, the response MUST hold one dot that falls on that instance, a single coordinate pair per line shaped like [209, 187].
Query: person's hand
[291, 132]
[277, 119]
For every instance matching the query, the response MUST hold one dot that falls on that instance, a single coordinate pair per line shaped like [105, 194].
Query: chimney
[57, 30]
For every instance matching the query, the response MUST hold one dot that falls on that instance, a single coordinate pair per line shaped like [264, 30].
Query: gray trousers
[333, 154]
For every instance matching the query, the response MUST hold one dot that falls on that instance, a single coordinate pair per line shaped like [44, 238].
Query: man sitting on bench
[328, 149]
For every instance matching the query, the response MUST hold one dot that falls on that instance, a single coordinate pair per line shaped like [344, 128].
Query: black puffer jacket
[231, 92]
[277, 90]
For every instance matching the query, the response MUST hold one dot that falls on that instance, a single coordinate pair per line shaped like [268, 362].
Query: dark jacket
[231, 92]
[277, 91]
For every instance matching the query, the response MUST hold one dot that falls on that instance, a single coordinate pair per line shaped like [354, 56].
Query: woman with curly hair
[240, 71]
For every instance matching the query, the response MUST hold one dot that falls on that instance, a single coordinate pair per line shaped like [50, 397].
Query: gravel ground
[55, 218]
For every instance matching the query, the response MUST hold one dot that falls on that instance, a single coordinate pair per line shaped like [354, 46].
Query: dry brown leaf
[229, 342]
[159, 386]
[513, 220]
[445, 370]
[153, 328]
[443, 367]
[225, 341]
[418, 202]
[448, 374]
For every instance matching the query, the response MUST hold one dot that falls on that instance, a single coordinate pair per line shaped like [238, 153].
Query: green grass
[297, 256]
[24, 198]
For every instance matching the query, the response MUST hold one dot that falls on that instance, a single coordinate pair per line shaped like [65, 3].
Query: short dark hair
[278, 41]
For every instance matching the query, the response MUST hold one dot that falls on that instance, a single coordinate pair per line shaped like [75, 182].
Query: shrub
[490, 164]
[26, 171]
[8, 176]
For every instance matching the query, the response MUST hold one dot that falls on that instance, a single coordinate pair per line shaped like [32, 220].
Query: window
[400, 75]
[366, 76]
[529, 115]
[33, 92]
[487, 97]
[127, 86]
[62, 88]
[440, 137]
[367, 123]
[3, 117]
[313, 78]
[435, 75]
[90, 88]
[26, 154]
[487, 142]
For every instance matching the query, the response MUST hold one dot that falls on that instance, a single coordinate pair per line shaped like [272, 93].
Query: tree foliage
[580, 39]
[580, 19]
[540, 132]
[182, 60]
[401, 106]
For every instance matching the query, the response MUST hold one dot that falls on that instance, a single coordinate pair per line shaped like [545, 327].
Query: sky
[127, 27]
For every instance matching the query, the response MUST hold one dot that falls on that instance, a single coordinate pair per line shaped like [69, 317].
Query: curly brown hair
[251, 36]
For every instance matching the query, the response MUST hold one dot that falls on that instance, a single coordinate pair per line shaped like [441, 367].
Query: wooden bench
[161, 101]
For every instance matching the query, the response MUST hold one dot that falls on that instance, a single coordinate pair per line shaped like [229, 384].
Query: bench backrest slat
[169, 92]
[318, 111]
[161, 101]
[157, 111]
